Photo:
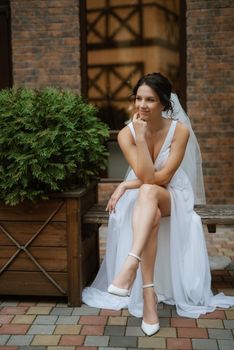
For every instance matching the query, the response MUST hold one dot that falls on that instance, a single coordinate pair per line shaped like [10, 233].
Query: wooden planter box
[45, 249]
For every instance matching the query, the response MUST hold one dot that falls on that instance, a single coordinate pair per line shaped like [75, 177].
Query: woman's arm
[137, 155]
[178, 147]
[119, 191]
[137, 152]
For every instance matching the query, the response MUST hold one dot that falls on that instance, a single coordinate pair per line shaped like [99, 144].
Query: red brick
[93, 320]
[220, 314]
[192, 333]
[86, 348]
[5, 319]
[14, 329]
[106, 312]
[14, 310]
[92, 330]
[182, 322]
[71, 340]
[173, 343]
[8, 347]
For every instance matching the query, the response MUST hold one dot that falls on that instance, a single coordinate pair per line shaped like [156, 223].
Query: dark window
[5, 45]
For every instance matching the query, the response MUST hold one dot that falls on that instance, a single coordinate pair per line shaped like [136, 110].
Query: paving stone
[67, 340]
[9, 303]
[226, 344]
[228, 324]
[26, 303]
[41, 329]
[174, 313]
[182, 343]
[5, 319]
[165, 322]
[107, 312]
[20, 340]
[141, 349]
[60, 348]
[62, 311]
[4, 338]
[167, 306]
[119, 321]
[151, 342]
[230, 314]
[45, 320]
[8, 310]
[125, 312]
[123, 341]
[166, 333]
[92, 330]
[23, 319]
[220, 333]
[108, 348]
[101, 320]
[68, 320]
[14, 329]
[134, 321]
[164, 313]
[204, 344]
[92, 340]
[46, 304]
[192, 333]
[33, 348]
[114, 330]
[182, 322]
[219, 314]
[39, 310]
[131, 331]
[204, 323]
[46, 340]
[8, 347]
[85, 310]
[67, 329]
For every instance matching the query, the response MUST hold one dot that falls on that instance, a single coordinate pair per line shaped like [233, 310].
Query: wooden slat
[210, 214]
[31, 283]
[43, 255]
[28, 211]
[74, 252]
[53, 235]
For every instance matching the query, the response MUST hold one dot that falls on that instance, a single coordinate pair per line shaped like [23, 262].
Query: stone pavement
[39, 324]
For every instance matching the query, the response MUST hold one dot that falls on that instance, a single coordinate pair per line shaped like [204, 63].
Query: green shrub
[50, 140]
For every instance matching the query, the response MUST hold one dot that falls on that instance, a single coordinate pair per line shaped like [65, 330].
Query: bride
[156, 250]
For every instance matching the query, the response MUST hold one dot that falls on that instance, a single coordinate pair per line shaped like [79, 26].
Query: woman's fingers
[111, 206]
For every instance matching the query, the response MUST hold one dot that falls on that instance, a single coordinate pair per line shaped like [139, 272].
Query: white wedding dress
[182, 273]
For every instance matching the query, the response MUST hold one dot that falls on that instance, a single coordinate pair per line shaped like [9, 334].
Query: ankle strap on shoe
[135, 256]
[148, 285]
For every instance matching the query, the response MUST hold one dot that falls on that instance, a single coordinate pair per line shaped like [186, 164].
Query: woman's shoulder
[125, 133]
[182, 129]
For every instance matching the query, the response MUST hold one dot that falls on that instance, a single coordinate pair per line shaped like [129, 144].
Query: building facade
[61, 43]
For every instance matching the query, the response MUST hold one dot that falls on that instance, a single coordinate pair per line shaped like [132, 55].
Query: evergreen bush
[50, 140]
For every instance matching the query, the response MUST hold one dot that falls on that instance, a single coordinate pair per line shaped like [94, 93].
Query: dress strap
[130, 125]
[171, 132]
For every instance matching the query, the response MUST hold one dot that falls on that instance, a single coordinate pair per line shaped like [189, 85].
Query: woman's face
[147, 102]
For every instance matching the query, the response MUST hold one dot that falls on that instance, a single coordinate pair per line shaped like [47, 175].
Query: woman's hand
[119, 191]
[140, 125]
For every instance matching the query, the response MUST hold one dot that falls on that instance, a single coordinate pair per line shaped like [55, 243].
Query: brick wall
[45, 43]
[210, 99]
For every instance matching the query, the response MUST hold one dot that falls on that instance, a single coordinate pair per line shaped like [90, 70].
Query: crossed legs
[152, 202]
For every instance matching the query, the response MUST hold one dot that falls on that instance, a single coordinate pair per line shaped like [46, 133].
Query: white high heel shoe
[121, 292]
[149, 329]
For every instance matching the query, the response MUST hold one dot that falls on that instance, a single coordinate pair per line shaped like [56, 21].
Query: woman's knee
[149, 192]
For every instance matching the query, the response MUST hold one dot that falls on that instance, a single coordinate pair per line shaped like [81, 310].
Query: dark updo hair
[160, 85]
